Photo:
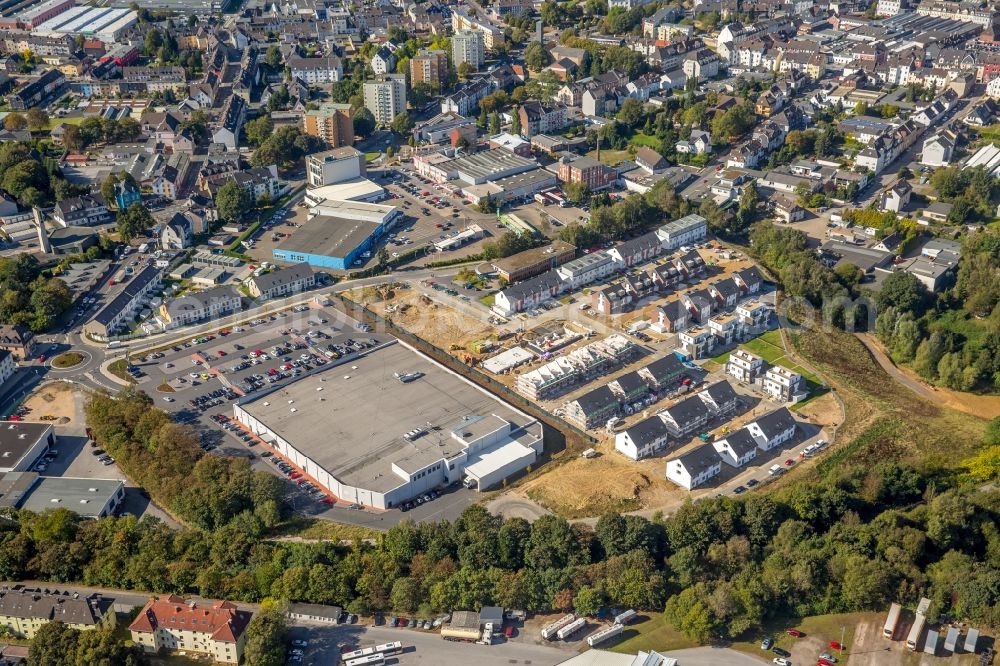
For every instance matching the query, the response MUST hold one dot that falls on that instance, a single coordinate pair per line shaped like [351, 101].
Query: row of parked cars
[304, 484]
[412, 504]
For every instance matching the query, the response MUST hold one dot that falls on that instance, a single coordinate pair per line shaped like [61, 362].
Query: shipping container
[971, 640]
[951, 640]
[930, 645]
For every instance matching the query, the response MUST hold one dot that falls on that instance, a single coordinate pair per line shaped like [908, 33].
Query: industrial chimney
[43, 235]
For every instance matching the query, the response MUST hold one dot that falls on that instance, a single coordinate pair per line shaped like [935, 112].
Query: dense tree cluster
[632, 214]
[57, 644]
[164, 457]
[285, 147]
[952, 338]
[28, 296]
[971, 193]
[507, 244]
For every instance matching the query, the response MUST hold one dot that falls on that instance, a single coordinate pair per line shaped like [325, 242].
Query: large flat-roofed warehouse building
[390, 425]
[337, 234]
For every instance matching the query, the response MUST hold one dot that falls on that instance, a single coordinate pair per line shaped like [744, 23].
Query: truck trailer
[552, 628]
[626, 617]
[892, 621]
[601, 635]
[571, 628]
[450, 633]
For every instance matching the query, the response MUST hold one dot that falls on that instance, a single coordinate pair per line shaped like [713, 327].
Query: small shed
[491, 615]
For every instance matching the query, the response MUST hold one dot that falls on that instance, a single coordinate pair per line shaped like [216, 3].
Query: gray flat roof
[329, 236]
[83, 496]
[17, 438]
[350, 418]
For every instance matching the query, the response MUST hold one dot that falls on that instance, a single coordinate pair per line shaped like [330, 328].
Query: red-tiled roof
[221, 619]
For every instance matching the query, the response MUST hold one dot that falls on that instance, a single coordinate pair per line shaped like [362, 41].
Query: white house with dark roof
[636, 250]
[773, 430]
[694, 468]
[685, 417]
[737, 449]
[644, 439]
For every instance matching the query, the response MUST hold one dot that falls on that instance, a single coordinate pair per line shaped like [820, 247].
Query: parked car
[794, 632]
[766, 643]
[834, 645]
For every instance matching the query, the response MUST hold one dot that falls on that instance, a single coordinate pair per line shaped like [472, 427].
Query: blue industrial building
[337, 234]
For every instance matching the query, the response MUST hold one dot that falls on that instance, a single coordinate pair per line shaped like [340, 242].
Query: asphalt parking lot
[302, 339]
[419, 647]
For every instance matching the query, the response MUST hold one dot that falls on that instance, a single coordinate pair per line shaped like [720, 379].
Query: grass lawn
[611, 157]
[369, 157]
[324, 530]
[67, 360]
[487, 300]
[826, 628]
[653, 633]
[54, 122]
[640, 139]
[117, 368]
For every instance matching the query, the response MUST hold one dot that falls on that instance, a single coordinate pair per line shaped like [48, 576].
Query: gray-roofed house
[593, 408]
[773, 429]
[528, 294]
[644, 439]
[695, 467]
[282, 282]
[720, 398]
[208, 304]
[738, 448]
[630, 387]
[126, 303]
[672, 316]
[726, 293]
[749, 280]
[663, 372]
[686, 416]
[25, 609]
[636, 250]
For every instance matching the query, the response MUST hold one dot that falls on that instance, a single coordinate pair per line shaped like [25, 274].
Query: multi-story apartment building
[332, 122]
[429, 67]
[385, 97]
[86, 210]
[334, 166]
[172, 624]
[783, 384]
[208, 304]
[492, 35]
[744, 366]
[125, 304]
[539, 118]
[689, 229]
[585, 170]
[313, 71]
[283, 282]
[468, 46]
[23, 610]
[18, 340]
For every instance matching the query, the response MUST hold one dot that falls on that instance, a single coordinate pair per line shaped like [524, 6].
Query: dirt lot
[56, 399]
[583, 488]
[436, 323]
[824, 411]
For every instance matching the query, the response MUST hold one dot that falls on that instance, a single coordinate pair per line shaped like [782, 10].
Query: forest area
[854, 536]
